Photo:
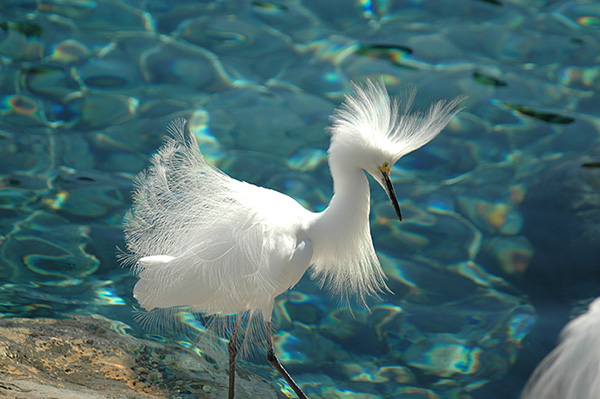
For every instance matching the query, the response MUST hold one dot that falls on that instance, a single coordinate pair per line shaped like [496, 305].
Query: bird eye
[385, 165]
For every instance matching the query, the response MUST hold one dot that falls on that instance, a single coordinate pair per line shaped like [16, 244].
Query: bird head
[373, 131]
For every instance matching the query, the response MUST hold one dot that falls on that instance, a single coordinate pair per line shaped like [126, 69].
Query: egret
[572, 369]
[199, 238]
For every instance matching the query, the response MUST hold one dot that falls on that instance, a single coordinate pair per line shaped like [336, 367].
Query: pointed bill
[389, 188]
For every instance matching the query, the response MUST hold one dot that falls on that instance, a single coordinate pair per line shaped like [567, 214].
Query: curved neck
[350, 185]
[351, 194]
[343, 254]
[347, 215]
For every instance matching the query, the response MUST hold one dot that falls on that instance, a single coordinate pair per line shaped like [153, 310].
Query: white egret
[201, 239]
[572, 369]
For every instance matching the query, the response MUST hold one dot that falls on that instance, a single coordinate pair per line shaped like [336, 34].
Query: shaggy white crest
[572, 369]
[370, 121]
[369, 130]
[199, 239]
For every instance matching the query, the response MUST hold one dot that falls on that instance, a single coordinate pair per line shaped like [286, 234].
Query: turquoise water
[500, 242]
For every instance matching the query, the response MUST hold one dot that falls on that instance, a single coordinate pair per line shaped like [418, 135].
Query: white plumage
[572, 369]
[206, 240]
[202, 239]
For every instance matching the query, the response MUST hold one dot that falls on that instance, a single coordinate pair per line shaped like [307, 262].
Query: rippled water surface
[501, 239]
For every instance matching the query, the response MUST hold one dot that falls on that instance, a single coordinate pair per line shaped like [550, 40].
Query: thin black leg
[232, 351]
[277, 365]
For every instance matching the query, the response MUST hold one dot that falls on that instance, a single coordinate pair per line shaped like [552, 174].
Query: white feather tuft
[572, 369]
[371, 118]
[369, 129]
[197, 237]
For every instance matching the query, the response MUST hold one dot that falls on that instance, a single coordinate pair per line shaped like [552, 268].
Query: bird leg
[277, 365]
[232, 351]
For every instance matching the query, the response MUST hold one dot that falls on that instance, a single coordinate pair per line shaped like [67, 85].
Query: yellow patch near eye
[385, 168]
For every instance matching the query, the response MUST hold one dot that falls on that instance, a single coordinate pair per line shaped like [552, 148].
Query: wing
[200, 238]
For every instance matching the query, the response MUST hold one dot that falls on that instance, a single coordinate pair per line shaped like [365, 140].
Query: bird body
[202, 239]
[236, 263]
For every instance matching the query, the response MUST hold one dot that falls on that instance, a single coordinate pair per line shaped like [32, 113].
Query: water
[500, 241]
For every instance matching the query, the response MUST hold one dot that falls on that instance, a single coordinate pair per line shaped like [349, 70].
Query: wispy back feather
[201, 241]
[197, 237]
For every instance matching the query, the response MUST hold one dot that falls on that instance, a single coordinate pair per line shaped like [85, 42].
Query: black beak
[389, 189]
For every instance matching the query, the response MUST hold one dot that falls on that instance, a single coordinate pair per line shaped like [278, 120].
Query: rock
[90, 357]
[23, 389]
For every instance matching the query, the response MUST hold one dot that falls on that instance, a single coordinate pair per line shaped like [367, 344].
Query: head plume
[369, 119]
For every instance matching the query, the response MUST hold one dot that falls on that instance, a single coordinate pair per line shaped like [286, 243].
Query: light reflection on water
[86, 89]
